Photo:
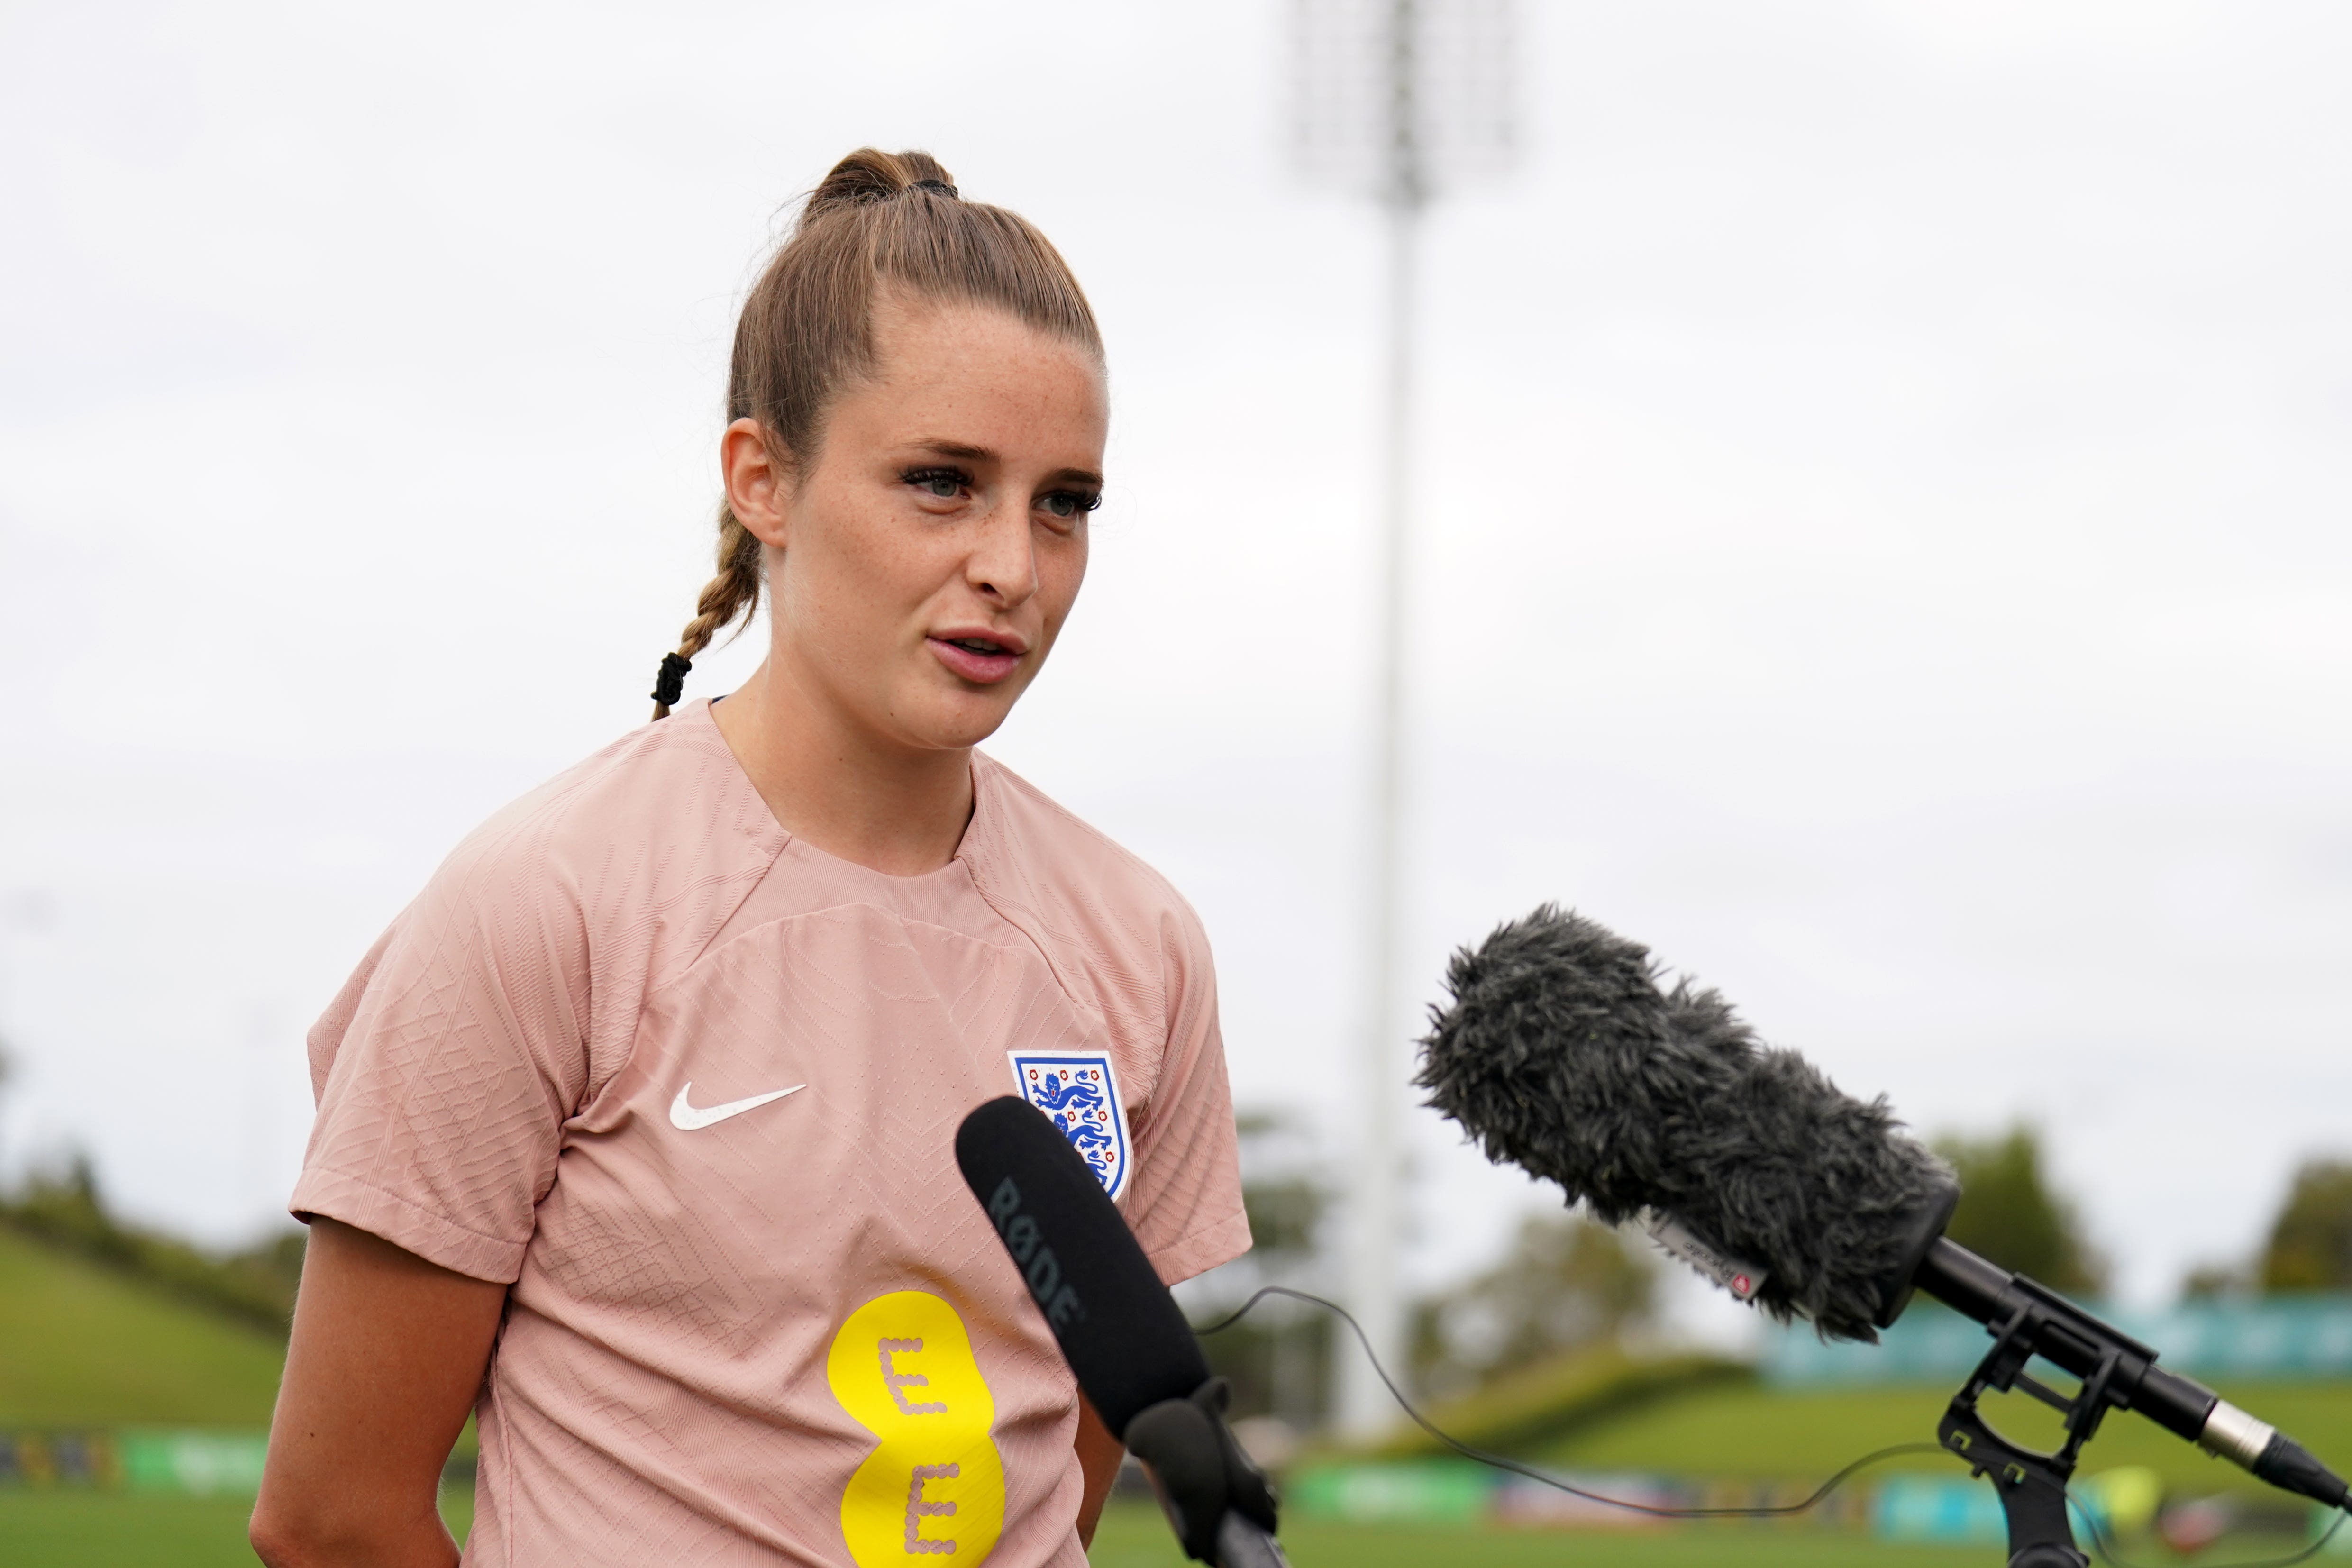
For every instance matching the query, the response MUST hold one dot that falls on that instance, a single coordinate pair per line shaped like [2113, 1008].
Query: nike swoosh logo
[686, 1118]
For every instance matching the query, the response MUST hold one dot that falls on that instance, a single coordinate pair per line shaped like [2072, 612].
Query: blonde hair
[877, 220]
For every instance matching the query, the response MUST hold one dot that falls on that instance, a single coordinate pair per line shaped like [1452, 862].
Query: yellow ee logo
[934, 1486]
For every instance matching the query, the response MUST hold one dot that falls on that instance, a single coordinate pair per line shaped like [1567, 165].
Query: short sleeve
[446, 1069]
[1186, 1206]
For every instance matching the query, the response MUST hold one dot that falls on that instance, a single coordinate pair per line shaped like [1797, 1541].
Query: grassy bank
[1754, 1430]
[87, 1347]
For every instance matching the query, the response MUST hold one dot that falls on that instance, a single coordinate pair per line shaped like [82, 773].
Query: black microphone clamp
[1216, 1498]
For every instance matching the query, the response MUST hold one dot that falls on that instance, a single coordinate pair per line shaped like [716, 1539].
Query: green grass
[67, 1529]
[87, 1348]
[1134, 1536]
[100, 1529]
[1753, 1430]
[96, 1530]
[86, 1530]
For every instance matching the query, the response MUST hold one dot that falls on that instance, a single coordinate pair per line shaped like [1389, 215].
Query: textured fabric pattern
[495, 1089]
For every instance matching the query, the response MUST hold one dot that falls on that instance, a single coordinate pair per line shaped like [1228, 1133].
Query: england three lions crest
[1080, 1093]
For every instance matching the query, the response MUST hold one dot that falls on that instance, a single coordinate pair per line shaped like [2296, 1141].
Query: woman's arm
[387, 1353]
[1100, 1454]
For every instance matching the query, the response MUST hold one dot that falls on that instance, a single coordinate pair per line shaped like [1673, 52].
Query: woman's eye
[940, 484]
[1068, 505]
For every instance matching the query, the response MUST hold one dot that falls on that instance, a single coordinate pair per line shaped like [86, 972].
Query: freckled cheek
[878, 583]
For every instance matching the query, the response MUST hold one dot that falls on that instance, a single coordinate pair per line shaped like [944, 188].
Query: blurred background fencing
[1878, 535]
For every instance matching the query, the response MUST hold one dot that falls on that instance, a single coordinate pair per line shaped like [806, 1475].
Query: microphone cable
[1504, 1462]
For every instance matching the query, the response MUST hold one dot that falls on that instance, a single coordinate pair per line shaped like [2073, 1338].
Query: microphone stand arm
[2115, 1373]
[2031, 1485]
[2118, 1373]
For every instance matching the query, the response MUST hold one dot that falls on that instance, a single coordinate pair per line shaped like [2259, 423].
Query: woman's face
[921, 566]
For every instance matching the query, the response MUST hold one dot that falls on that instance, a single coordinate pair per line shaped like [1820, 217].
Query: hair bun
[869, 176]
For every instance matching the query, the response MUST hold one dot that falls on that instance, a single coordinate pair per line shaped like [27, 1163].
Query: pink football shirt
[691, 1087]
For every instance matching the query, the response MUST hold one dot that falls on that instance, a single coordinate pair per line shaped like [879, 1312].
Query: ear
[758, 483]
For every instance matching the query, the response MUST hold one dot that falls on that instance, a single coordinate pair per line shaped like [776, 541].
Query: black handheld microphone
[1560, 1054]
[1133, 1354]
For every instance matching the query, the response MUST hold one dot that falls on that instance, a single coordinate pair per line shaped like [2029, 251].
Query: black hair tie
[940, 186]
[670, 684]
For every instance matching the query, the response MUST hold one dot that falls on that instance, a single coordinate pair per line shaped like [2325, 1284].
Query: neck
[897, 809]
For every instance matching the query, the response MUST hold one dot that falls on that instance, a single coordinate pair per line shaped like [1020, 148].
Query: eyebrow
[971, 454]
[964, 449]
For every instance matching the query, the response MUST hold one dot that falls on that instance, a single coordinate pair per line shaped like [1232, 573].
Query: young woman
[635, 1130]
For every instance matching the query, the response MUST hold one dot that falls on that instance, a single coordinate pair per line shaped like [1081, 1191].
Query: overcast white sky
[1883, 526]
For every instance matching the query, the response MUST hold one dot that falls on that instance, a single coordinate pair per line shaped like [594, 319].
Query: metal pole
[1374, 1294]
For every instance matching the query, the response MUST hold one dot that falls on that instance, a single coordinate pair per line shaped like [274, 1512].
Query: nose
[1002, 566]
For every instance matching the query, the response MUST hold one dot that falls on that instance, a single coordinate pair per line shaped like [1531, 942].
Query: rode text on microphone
[1720, 1268]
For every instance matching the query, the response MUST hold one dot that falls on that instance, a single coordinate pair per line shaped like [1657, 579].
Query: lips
[981, 658]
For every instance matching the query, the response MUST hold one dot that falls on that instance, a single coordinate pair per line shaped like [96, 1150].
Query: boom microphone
[1560, 1054]
[1128, 1345]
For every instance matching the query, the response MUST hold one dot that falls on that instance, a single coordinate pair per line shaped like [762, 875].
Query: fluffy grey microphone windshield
[1560, 1054]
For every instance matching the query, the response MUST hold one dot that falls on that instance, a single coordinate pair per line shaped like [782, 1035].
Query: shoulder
[669, 785]
[557, 916]
[658, 823]
[1094, 907]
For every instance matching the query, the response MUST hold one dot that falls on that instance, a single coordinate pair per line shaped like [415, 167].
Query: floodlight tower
[1397, 100]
